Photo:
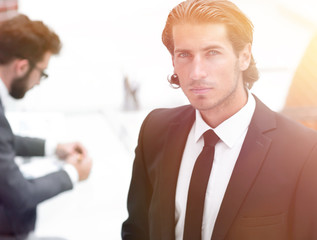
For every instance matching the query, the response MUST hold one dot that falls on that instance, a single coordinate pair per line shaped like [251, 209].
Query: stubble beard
[19, 86]
[225, 102]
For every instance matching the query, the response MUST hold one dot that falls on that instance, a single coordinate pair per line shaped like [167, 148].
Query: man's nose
[198, 69]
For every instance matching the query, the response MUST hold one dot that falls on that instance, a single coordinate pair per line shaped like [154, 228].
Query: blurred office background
[111, 72]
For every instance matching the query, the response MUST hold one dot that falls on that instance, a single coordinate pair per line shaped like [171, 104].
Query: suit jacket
[271, 193]
[19, 196]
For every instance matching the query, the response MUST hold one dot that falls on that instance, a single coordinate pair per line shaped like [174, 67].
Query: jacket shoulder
[157, 123]
[163, 116]
[295, 129]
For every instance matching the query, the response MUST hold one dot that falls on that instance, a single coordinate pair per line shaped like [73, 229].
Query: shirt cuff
[50, 147]
[72, 172]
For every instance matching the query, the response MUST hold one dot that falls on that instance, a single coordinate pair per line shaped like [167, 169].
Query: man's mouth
[200, 90]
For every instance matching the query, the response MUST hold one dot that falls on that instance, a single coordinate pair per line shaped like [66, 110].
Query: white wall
[103, 40]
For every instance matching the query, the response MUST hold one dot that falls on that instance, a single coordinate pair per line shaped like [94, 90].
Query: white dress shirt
[232, 133]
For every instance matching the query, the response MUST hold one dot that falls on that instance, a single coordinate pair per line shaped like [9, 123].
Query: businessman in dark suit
[25, 50]
[225, 167]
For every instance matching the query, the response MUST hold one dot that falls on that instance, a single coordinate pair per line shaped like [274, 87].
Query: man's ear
[245, 57]
[21, 67]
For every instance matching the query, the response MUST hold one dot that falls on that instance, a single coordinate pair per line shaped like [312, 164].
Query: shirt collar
[231, 129]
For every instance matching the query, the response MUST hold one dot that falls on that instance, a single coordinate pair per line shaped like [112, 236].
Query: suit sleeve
[17, 193]
[304, 224]
[28, 147]
[136, 227]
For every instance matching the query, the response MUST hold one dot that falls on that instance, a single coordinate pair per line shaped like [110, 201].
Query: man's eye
[213, 52]
[183, 54]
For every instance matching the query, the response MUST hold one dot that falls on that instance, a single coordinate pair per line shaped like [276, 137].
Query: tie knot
[210, 138]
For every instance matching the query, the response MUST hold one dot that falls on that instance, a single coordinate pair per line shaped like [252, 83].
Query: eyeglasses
[44, 75]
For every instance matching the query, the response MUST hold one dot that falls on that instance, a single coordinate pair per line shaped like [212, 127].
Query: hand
[82, 164]
[64, 150]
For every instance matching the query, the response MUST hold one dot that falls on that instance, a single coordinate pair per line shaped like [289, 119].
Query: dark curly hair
[22, 38]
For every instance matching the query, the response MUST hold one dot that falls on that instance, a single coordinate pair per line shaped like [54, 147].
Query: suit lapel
[251, 157]
[169, 168]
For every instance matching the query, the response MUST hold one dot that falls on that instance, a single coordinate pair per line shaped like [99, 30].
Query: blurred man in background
[25, 50]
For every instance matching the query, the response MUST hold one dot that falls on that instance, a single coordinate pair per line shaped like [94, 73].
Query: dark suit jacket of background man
[18, 196]
[271, 194]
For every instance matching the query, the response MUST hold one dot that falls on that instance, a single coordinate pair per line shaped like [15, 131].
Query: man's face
[20, 85]
[209, 71]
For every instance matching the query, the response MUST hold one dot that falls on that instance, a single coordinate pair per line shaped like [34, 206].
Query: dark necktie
[197, 188]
